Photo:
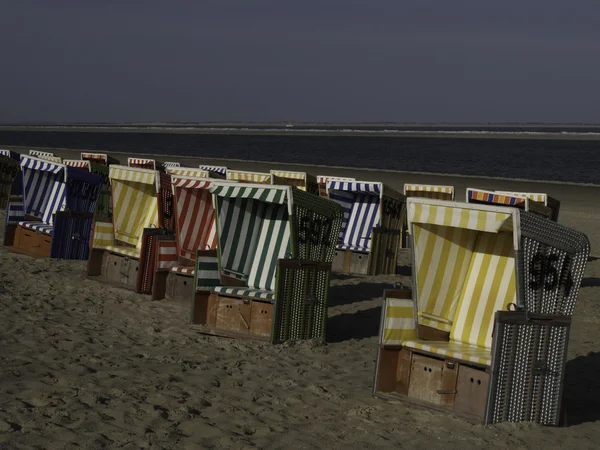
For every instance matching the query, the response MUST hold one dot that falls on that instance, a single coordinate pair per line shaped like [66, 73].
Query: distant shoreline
[358, 130]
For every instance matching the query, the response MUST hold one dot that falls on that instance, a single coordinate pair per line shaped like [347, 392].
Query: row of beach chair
[482, 331]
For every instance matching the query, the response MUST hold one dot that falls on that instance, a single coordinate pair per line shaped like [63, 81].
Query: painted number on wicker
[545, 274]
[316, 231]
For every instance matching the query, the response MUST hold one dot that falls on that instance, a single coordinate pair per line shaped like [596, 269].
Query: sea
[551, 153]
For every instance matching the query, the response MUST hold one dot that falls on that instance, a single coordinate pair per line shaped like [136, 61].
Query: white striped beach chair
[168, 164]
[56, 210]
[143, 163]
[369, 237]
[100, 158]
[78, 163]
[301, 180]
[11, 183]
[322, 182]
[545, 199]
[248, 177]
[270, 277]
[117, 245]
[195, 232]
[215, 171]
[474, 195]
[493, 291]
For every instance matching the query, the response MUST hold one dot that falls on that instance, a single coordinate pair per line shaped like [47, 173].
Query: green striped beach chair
[270, 277]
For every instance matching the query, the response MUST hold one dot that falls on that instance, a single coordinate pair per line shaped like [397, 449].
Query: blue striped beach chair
[370, 233]
[219, 172]
[322, 183]
[11, 182]
[57, 210]
[99, 164]
[270, 277]
[484, 331]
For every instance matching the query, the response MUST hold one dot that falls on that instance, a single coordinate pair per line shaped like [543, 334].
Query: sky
[309, 60]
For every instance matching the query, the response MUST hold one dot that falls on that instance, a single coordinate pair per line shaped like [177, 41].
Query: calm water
[536, 159]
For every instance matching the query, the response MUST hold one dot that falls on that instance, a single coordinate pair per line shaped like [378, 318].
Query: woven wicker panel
[316, 225]
[529, 359]
[9, 169]
[552, 262]
[384, 251]
[71, 238]
[104, 205]
[167, 209]
[302, 291]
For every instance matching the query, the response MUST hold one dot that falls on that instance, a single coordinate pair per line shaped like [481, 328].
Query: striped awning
[290, 175]
[190, 182]
[326, 178]
[171, 164]
[31, 162]
[39, 154]
[494, 197]
[268, 194]
[360, 187]
[249, 177]
[536, 197]
[187, 171]
[134, 174]
[460, 215]
[95, 156]
[215, 169]
[140, 161]
[80, 163]
[427, 188]
[9, 153]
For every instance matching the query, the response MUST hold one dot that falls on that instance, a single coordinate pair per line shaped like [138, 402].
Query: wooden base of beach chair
[112, 268]
[32, 243]
[439, 383]
[236, 317]
[178, 288]
[350, 262]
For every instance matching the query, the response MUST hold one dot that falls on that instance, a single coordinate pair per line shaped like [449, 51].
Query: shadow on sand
[590, 282]
[346, 294]
[582, 389]
[357, 325]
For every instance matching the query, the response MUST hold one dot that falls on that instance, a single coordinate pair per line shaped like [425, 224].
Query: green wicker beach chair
[269, 277]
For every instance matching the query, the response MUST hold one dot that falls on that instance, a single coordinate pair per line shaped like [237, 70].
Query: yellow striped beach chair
[188, 172]
[248, 177]
[301, 180]
[492, 287]
[117, 245]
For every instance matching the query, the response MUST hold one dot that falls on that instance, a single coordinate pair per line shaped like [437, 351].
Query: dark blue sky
[253, 60]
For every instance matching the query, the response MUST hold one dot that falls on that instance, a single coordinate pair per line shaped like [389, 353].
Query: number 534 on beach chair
[484, 331]
[270, 277]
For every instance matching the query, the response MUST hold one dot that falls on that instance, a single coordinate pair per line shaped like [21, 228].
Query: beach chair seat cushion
[183, 270]
[124, 250]
[38, 226]
[453, 349]
[245, 292]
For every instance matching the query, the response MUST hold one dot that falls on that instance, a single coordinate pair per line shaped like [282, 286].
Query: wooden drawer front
[338, 261]
[472, 391]
[33, 242]
[180, 288]
[433, 381]
[261, 318]
[359, 263]
[233, 315]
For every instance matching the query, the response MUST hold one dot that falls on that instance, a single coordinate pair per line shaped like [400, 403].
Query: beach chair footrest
[351, 262]
[179, 287]
[120, 269]
[30, 242]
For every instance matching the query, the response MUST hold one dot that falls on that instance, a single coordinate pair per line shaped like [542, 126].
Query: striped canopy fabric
[361, 202]
[9, 154]
[249, 177]
[41, 154]
[220, 170]
[536, 197]
[296, 179]
[254, 231]
[44, 187]
[101, 158]
[187, 172]
[194, 216]
[78, 163]
[135, 202]
[322, 182]
[142, 163]
[429, 191]
[452, 255]
[167, 164]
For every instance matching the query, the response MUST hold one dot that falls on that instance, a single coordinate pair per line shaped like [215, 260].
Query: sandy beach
[87, 365]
